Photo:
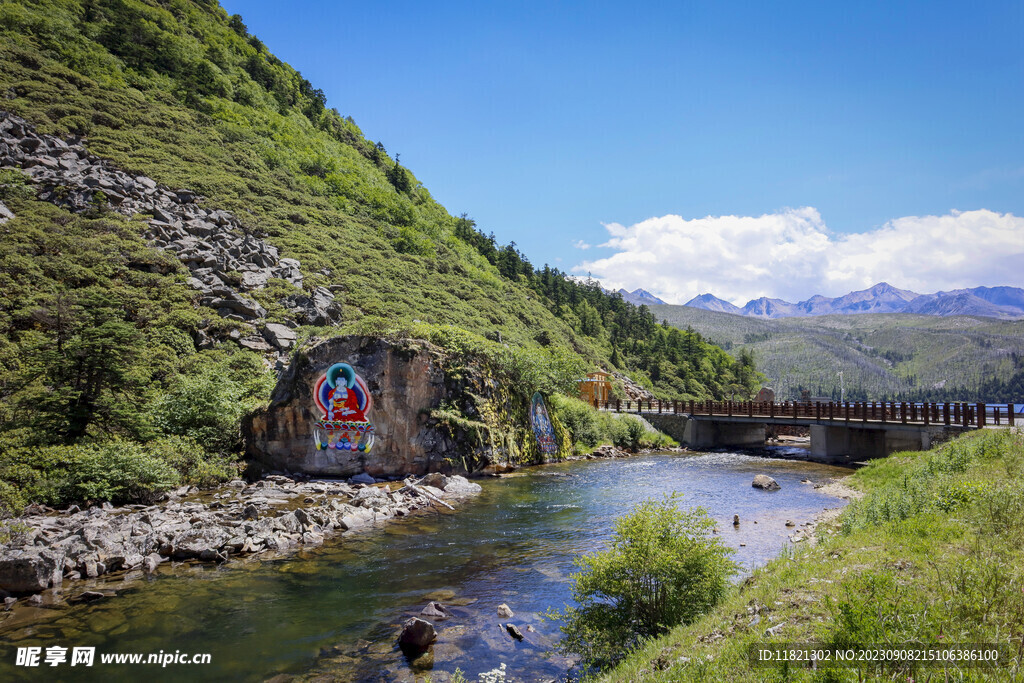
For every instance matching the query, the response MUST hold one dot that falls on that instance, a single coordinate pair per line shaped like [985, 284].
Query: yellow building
[595, 389]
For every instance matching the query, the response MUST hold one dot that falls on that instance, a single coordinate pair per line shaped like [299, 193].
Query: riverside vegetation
[932, 554]
[117, 382]
[662, 568]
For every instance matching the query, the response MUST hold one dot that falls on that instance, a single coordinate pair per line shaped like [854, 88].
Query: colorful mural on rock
[542, 427]
[344, 401]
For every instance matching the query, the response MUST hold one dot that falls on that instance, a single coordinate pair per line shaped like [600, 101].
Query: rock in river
[416, 636]
[763, 481]
[435, 611]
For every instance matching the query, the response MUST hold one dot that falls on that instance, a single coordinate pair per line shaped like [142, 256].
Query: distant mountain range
[640, 297]
[991, 302]
[900, 356]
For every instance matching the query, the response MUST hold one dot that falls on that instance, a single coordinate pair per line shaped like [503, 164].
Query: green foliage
[589, 427]
[938, 576]
[936, 481]
[118, 471]
[97, 360]
[663, 568]
[207, 405]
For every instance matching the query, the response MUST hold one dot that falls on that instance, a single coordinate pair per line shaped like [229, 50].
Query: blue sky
[559, 124]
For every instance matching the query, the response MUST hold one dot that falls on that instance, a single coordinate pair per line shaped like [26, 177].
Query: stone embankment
[224, 258]
[275, 514]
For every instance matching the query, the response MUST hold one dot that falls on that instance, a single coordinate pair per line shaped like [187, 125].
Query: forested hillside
[889, 356]
[104, 360]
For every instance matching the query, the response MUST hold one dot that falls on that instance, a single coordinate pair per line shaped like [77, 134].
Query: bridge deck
[960, 414]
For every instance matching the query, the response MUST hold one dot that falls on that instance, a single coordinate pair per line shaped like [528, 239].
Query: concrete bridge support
[706, 432]
[842, 443]
[715, 434]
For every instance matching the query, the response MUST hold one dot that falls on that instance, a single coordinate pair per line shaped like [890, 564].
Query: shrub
[207, 405]
[118, 471]
[583, 421]
[193, 464]
[662, 569]
[632, 434]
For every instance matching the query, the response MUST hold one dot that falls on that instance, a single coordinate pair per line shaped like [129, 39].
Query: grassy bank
[932, 554]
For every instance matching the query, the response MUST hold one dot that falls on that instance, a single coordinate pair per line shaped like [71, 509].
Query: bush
[590, 427]
[193, 464]
[632, 435]
[582, 420]
[663, 569]
[118, 471]
[207, 406]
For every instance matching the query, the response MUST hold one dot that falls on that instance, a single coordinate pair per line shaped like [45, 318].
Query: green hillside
[101, 342]
[882, 356]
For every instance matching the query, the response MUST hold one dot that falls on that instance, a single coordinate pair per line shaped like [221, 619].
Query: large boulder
[316, 308]
[29, 570]
[460, 486]
[766, 483]
[407, 381]
[281, 336]
[416, 636]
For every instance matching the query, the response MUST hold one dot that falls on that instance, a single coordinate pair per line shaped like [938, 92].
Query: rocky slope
[224, 258]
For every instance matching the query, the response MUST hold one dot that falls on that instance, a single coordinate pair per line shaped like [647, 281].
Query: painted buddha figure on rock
[343, 400]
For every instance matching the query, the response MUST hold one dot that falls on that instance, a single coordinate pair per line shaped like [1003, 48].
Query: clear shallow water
[336, 610]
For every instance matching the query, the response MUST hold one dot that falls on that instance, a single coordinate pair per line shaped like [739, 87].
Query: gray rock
[316, 308]
[417, 635]
[355, 519]
[766, 483]
[505, 612]
[363, 478]
[435, 611]
[5, 214]
[514, 631]
[435, 479]
[460, 486]
[279, 335]
[255, 344]
[244, 307]
[28, 570]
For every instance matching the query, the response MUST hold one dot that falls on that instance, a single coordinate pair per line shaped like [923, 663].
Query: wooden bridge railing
[961, 414]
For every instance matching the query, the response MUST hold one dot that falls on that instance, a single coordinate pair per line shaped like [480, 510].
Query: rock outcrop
[224, 258]
[409, 381]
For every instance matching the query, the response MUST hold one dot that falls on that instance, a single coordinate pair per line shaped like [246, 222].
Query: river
[336, 609]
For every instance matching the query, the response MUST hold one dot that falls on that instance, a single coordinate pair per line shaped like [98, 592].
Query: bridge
[841, 432]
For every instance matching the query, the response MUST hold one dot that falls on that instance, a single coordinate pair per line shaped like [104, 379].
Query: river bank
[274, 515]
[50, 551]
[931, 553]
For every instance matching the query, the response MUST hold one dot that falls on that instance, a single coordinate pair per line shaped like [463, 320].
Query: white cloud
[580, 244]
[792, 255]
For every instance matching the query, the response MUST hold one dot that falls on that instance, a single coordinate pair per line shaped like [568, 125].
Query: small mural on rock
[344, 401]
[541, 424]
